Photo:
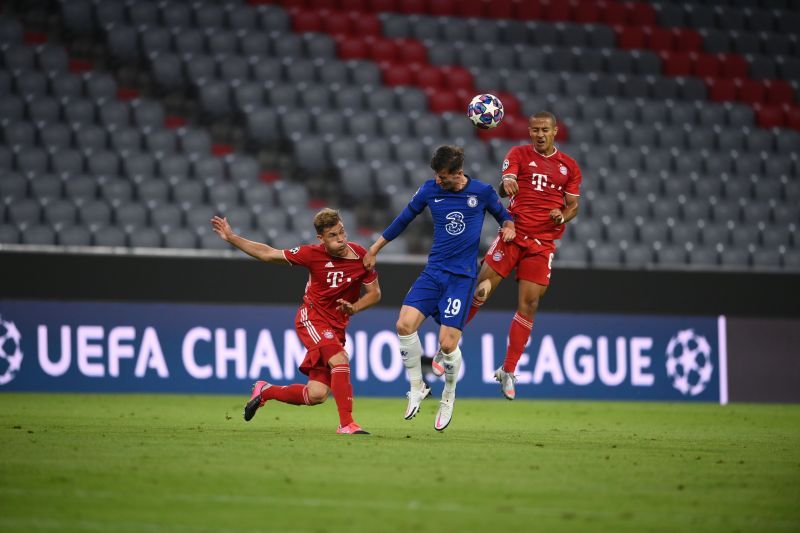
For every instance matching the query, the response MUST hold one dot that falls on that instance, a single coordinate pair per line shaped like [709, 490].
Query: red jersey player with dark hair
[333, 294]
[544, 186]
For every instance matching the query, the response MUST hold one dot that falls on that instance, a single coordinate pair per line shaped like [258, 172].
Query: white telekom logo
[335, 278]
[539, 181]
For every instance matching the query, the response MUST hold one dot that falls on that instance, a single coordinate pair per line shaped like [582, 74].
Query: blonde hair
[326, 218]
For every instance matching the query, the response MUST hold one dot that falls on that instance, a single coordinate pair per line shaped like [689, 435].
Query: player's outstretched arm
[262, 252]
[371, 296]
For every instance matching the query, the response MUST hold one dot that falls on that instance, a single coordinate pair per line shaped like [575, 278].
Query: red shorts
[322, 342]
[532, 258]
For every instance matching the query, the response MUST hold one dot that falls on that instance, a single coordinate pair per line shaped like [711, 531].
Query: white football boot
[415, 398]
[507, 382]
[445, 412]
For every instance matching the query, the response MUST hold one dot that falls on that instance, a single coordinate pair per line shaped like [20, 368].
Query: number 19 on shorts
[453, 307]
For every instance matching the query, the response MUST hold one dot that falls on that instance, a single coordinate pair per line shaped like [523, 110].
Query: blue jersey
[457, 220]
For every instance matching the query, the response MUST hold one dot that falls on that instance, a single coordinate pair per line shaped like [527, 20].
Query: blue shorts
[444, 296]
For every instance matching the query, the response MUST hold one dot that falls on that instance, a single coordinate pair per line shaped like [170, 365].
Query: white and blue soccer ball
[485, 111]
[689, 362]
[10, 351]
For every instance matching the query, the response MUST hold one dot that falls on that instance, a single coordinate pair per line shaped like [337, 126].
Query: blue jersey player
[444, 288]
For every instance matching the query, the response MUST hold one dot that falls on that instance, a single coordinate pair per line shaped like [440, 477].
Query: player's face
[450, 181]
[335, 240]
[543, 134]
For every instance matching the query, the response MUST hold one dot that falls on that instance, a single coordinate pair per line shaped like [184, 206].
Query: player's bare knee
[317, 397]
[528, 306]
[404, 328]
[317, 393]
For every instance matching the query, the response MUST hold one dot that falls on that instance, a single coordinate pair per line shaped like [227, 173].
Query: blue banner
[131, 347]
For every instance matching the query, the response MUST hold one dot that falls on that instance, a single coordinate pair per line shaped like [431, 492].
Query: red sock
[296, 394]
[476, 305]
[342, 393]
[518, 335]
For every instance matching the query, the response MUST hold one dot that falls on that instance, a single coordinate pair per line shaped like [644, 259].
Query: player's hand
[511, 186]
[345, 307]
[222, 228]
[557, 216]
[369, 260]
[508, 233]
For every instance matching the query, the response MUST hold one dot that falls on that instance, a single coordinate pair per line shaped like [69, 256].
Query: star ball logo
[689, 362]
[10, 351]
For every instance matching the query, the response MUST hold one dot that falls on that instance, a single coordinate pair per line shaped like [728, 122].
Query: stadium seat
[74, 236]
[146, 238]
[110, 236]
[91, 138]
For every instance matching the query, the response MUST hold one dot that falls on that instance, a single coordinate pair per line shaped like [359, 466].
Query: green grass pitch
[81, 462]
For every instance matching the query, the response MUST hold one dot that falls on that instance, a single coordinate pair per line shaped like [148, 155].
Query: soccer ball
[10, 352]
[485, 111]
[689, 362]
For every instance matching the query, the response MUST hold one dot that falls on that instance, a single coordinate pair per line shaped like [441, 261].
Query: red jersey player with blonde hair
[544, 186]
[333, 294]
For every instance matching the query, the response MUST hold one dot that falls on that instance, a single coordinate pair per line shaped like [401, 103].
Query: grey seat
[60, 213]
[262, 126]
[257, 194]
[376, 149]
[198, 216]
[160, 142]
[145, 238]
[57, 136]
[356, 180]
[125, 140]
[215, 99]
[381, 98]
[11, 108]
[166, 70]
[208, 167]
[31, 84]
[296, 122]
[243, 167]
[95, 213]
[344, 148]
[221, 42]
[91, 138]
[166, 215]
[38, 234]
[606, 255]
[9, 234]
[44, 109]
[735, 257]
[99, 86]
[24, 212]
[74, 236]
[704, 256]
[671, 255]
[122, 42]
[113, 113]
[116, 190]
[32, 161]
[174, 166]
[21, 134]
[46, 186]
[131, 215]
[195, 141]
[225, 192]
[80, 188]
[239, 217]
[266, 69]
[152, 191]
[181, 238]
[105, 163]
[410, 99]
[110, 236]
[65, 84]
[269, 219]
[79, 112]
[147, 113]
[637, 255]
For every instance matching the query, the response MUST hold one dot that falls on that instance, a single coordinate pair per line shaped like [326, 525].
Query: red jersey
[543, 181]
[331, 278]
